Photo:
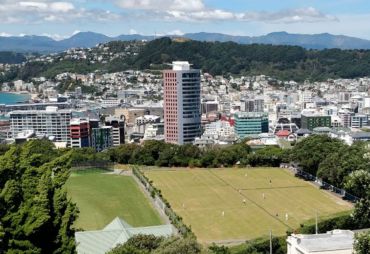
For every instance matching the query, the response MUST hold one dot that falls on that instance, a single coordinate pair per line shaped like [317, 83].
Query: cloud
[160, 5]
[303, 15]
[41, 11]
[5, 34]
[69, 11]
[196, 10]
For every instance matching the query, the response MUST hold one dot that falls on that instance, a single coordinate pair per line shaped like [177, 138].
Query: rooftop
[331, 241]
[180, 66]
[115, 233]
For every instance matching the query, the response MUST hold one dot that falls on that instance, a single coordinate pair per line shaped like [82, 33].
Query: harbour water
[13, 98]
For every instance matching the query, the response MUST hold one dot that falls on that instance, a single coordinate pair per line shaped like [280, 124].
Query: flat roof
[333, 240]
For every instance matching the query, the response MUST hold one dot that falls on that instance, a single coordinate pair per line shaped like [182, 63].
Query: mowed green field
[101, 197]
[242, 204]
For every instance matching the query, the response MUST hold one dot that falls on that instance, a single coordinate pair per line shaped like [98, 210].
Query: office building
[312, 121]
[51, 122]
[251, 123]
[80, 133]
[182, 108]
[118, 130]
[359, 121]
[101, 138]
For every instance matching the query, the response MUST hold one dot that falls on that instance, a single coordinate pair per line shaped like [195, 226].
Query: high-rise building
[80, 133]
[51, 122]
[182, 108]
[118, 130]
[251, 123]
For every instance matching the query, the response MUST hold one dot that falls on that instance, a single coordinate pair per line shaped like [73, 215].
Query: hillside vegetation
[216, 58]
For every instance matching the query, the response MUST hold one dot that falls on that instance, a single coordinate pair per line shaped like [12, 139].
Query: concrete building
[80, 133]
[182, 106]
[209, 106]
[359, 121]
[251, 123]
[345, 117]
[110, 102]
[253, 105]
[118, 130]
[51, 122]
[333, 242]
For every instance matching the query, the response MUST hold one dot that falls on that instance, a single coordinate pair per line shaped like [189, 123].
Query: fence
[319, 182]
[106, 165]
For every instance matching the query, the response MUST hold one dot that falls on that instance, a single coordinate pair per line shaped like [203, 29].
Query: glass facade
[248, 123]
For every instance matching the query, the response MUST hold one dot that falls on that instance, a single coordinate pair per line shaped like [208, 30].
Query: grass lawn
[101, 197]
[242, 204]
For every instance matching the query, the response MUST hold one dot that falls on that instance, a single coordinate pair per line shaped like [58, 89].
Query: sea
[13, 98]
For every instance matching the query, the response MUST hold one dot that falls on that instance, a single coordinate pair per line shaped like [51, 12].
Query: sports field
[242, 204]
[101, 197]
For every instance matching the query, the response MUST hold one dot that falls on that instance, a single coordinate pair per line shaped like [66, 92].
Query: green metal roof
[115, 233]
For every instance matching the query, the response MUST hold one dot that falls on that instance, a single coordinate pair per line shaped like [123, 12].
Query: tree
[339, 164]
[145, 244]
[362, 243]
[139, 244]
[311, 151]
[35, 213]
[270, 156]
[358, 183]
[176, 245]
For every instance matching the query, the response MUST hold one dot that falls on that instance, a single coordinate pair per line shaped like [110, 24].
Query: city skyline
[61, 19]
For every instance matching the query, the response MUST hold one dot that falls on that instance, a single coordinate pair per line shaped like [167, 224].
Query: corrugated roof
[115, 233]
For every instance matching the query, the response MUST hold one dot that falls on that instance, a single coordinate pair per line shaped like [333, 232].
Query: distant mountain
[315, 41]
[90, 39]
[84, 40]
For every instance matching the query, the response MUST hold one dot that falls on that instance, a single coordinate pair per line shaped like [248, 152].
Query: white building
[220, 132]
[110, 102]
[51, 122]
[333, 242]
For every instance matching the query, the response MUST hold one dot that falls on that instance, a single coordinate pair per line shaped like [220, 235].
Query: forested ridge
[282, 62]
[216, 58]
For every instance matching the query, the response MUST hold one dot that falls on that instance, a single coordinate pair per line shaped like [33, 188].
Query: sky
[60, 19]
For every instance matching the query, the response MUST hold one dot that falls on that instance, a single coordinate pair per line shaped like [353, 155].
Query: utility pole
[316, 225]
[270, 241]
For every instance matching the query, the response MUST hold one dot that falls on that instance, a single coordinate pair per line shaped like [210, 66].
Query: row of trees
[158, 153]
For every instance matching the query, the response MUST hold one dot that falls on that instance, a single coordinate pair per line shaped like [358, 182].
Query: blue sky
[62, 18]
